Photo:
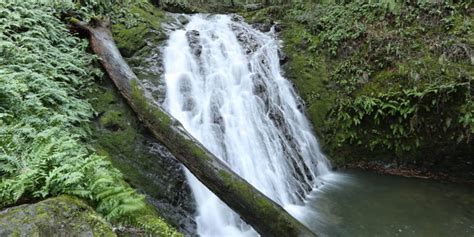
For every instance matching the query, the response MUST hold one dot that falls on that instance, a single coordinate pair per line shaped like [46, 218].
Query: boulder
[60, 216]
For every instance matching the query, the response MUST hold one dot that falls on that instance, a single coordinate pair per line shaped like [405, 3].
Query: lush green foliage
[399, 91]
[333, 24]
[401, 120]
[384, 78]
[44, 116]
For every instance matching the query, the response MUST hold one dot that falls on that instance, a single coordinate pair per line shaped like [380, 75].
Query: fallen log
[265, 216]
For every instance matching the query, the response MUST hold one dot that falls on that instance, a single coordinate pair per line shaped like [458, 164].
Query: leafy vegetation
[44, 116]
[401, 90]
[400, 120]
[388, 79]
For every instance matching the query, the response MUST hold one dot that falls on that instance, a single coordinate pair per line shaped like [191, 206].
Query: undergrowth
[44, 119]
[399, 91]
[382, 79]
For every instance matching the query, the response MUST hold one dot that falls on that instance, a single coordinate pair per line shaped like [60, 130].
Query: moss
[113, 116]
[112, 119]
[116, 132]
[118, 135]
[284, 222]
[102, 98]
[342, 53]
[131, 37]
[157, 116]
[138, 96]
[168, 127]
[129, 40]
[54, 216]
[265, 15]
[309, 71]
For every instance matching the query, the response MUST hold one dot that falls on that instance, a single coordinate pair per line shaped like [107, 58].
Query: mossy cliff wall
[388, 83]
[119, 135]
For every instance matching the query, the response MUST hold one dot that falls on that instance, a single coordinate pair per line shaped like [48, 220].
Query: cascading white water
[224, 84]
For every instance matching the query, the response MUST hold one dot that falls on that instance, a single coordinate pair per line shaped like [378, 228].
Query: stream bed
[357, 203]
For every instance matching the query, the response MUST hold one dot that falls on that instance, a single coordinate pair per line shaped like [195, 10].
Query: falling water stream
[224, 84]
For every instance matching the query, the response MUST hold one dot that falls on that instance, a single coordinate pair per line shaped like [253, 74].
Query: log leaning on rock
[265, 216]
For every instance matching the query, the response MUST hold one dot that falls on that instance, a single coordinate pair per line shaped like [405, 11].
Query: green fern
[45, 73]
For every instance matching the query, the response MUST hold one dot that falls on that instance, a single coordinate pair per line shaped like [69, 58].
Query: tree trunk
[265, 216]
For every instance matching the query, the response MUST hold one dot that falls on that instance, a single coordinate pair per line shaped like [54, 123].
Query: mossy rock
[146, 165]
[309, 71]
[60, 216]
[131, 37]
[119, 135]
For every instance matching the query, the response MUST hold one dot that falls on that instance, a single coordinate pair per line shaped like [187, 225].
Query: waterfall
[224, 84]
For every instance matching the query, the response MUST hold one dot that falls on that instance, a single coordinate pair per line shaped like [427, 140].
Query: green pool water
[365, 204]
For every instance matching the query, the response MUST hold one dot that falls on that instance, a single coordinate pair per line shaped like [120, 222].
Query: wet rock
[263, 27]
[253, 7]
[283, 57]
[278, 27]
[60, 216]
[260, 90]
[189, 104]
[236, 18]
[183, 19]
[248, 42]
[193, 39]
